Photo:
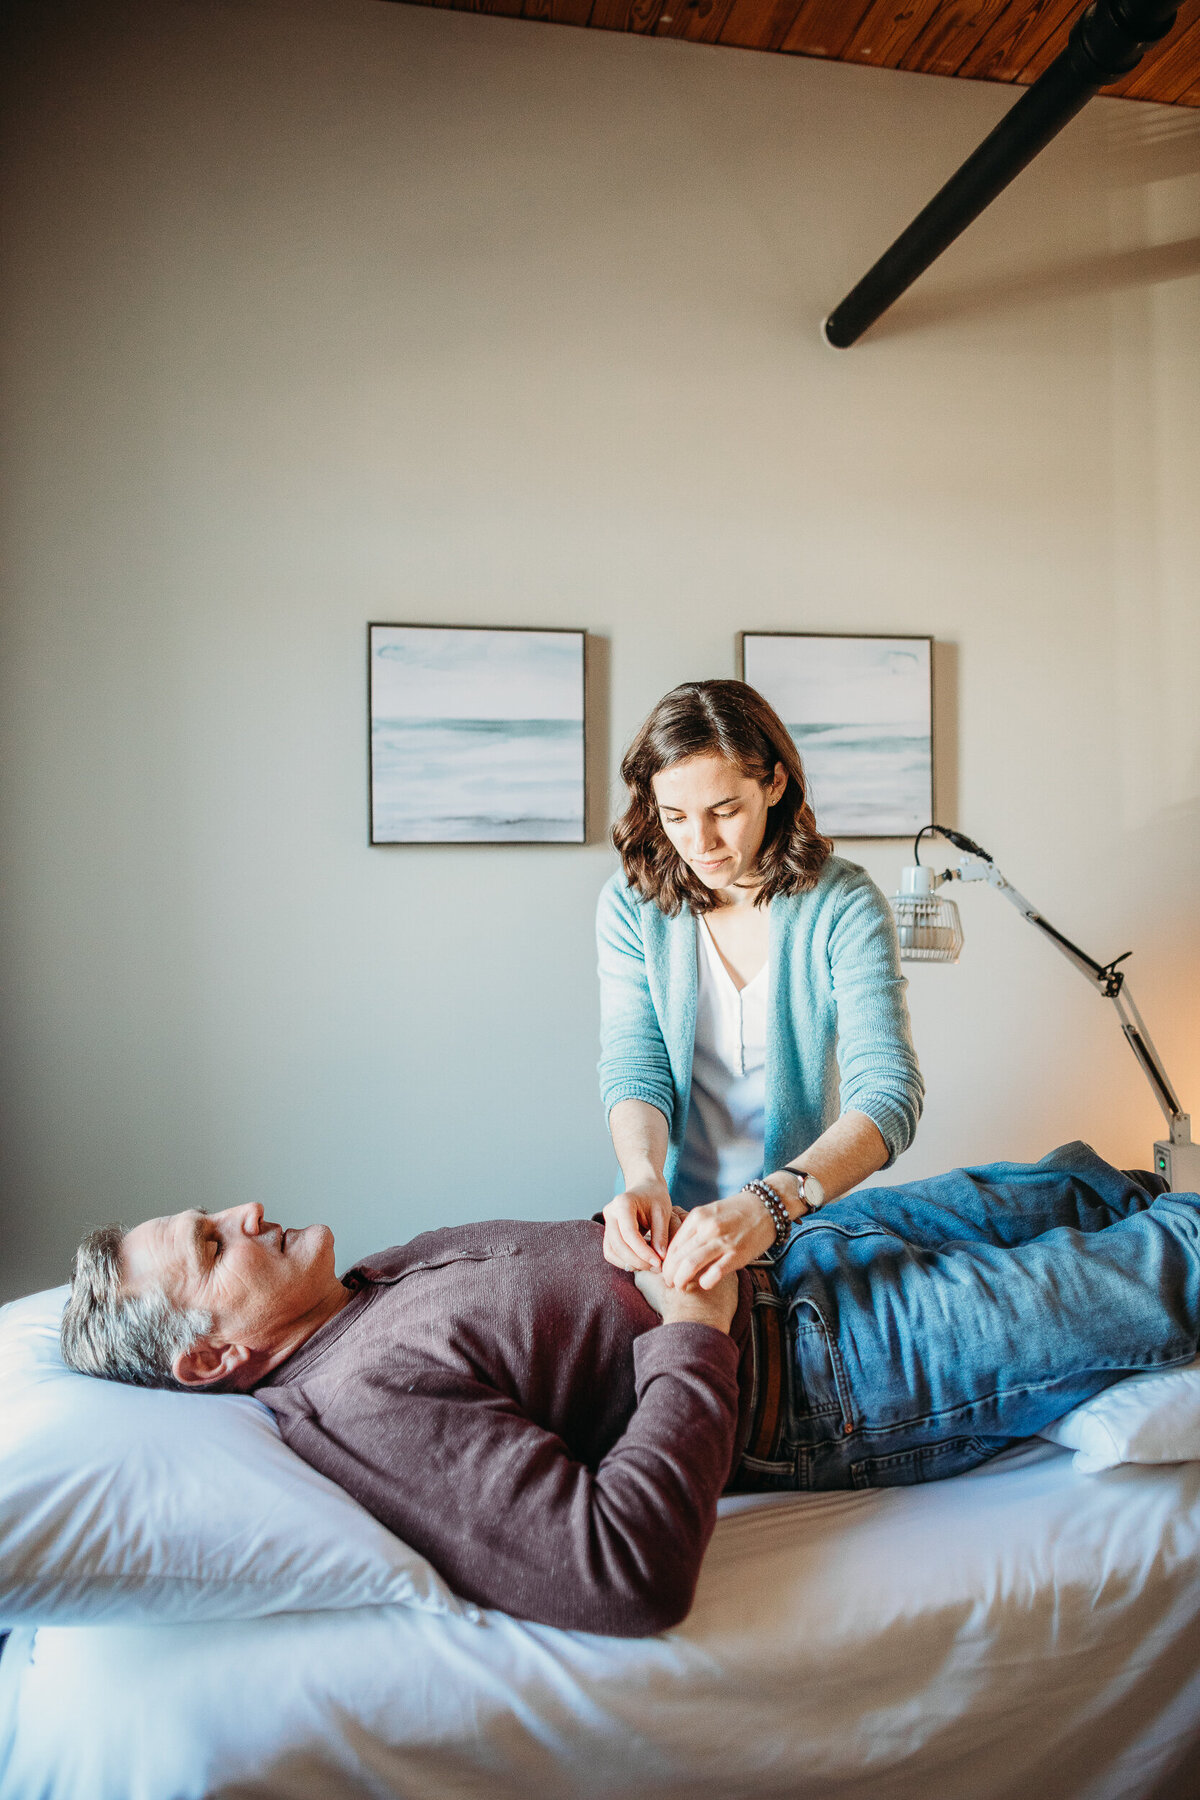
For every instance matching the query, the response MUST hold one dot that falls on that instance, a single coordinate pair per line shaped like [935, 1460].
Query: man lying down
[554, 1432]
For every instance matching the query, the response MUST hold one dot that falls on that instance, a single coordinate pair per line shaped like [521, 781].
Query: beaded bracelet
[780, 1217]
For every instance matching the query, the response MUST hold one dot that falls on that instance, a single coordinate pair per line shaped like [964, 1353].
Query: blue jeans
[932, 1324]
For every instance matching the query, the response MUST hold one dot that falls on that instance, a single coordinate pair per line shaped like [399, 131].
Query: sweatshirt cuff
[667, 1349]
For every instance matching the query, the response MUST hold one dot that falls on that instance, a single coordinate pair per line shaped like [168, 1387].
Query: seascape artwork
[476, 735]
[860, 710]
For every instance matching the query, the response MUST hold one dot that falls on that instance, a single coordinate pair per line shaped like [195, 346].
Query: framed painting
[476, 735]
[861, 711]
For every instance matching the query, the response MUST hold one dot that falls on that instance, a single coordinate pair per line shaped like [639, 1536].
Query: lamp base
[1180, 1164]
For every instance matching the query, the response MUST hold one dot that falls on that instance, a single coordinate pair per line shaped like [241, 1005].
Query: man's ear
[208, 1362]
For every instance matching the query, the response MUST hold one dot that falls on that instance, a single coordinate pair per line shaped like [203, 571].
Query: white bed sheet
[1024, 1631]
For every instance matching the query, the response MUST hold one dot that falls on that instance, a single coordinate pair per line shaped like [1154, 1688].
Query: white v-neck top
[723, 1140]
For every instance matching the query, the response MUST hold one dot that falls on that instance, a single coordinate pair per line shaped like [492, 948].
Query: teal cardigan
[838, 1036]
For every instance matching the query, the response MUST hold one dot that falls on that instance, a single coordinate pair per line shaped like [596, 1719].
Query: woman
[752, 1007]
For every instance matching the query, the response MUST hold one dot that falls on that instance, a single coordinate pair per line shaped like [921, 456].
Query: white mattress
[1021, 1632]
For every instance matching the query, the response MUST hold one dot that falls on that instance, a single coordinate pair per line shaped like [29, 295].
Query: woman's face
[716, 817]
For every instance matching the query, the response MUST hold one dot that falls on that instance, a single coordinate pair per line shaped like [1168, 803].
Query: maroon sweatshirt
[506, 1402]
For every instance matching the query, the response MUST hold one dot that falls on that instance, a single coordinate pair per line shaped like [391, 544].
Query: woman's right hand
[645, 1207]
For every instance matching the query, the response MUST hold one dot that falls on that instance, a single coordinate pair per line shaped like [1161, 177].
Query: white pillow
[1149, 1418]
[132, 1504]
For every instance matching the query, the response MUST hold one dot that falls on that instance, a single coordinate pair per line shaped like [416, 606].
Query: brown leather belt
[769, 1328]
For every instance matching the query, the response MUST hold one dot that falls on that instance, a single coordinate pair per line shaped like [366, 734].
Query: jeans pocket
[925, 1462]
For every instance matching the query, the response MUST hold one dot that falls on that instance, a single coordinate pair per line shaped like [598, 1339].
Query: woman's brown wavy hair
[716, 718]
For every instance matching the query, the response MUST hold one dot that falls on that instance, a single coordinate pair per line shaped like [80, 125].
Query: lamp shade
[928, 927]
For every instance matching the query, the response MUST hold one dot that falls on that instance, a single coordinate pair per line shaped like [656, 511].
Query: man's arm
[502, 1510]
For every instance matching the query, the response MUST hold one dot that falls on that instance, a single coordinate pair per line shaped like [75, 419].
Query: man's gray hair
[110, 1332]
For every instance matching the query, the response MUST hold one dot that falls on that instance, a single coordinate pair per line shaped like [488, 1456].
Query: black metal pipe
[1106, 41]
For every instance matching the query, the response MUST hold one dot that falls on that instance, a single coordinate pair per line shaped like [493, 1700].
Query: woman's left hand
[716, 1239]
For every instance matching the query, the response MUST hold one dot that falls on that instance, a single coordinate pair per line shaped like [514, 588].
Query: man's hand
[646, 1207]
[716, 1239]
[707, 1306]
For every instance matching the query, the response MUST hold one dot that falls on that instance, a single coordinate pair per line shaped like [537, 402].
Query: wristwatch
[810, 1192]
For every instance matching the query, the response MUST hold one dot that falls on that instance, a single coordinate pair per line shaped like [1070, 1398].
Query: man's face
[267, 1289]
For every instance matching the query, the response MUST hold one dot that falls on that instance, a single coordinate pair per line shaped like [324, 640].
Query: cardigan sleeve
[634, 1064]
[876, 1059]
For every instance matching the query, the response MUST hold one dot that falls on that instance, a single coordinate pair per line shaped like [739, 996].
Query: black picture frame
[866, 737]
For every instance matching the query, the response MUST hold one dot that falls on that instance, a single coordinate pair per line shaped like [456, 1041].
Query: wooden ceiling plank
[751, 24]
[885, 32]
[610, 15]
[1019, 31]
[997, 40]
[1167, 71]
[1051, 46]
[783, 17]
[824, 27]
[643, 15]
[698, 21]
[1186, 73]
[745, 25]
[559, 12]
[1057, 42]
[1181, 52]
[948, 36]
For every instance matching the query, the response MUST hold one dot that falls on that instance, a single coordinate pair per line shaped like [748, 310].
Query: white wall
[320, 313]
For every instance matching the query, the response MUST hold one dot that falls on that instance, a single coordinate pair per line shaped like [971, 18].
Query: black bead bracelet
[780, 1217]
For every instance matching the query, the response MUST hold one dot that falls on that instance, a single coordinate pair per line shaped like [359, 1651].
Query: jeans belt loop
[769, 1329]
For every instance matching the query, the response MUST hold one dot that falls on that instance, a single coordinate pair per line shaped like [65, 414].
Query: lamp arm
[1138, 1039]
[1107, 978]
[1101, 975]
